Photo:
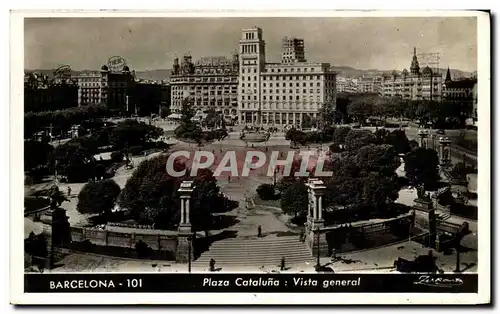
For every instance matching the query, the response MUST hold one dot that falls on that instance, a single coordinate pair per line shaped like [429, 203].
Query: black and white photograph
[325, 153]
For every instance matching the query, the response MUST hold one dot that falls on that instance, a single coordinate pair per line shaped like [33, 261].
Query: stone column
[444, 151]
[185, 233]
[315, 233]
[423, 138]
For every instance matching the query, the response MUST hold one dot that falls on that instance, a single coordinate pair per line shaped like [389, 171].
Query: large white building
[414, 85]
[280, 93]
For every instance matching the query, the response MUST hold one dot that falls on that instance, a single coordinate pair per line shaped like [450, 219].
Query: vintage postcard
[341, 156]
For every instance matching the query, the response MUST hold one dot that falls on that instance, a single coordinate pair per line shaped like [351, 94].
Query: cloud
[149, 43]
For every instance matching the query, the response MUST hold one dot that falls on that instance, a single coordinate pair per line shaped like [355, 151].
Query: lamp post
[190, 241]
[318, 265]
[457, 249]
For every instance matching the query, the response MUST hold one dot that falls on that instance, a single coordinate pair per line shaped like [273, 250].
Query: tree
[151, 195]
[398, 139]
[117, 156]
[188, 129]
[364, 180]
[360, 110]
[36, 154]
[98, 197]
[326, 115]
[265, 191]
[421, 167]
[131, 132]
[340, 134]
[213, 118]
[307, 121]
[356, 139]
[294, 200]
[75, 159]
[381, 159]
[296, 137]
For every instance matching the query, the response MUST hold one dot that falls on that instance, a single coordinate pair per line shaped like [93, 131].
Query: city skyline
[152, 43]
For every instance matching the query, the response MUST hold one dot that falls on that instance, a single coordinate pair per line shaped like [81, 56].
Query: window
[243, 70]
[242, 78]
[254, 97]
[291, 84]
[318, 84]
[304, 84]
[312, 69]
[277, 97]
[264, 97]
[255, 91]
[297, 84]
[297, 91]
[305, 69]
[291, 97]
[271, 97]
[311, 84]
[284, 70]
[311, 91]
[277, 91]
[254, 84]
[270, 84]
[317, 91]
[291, 91]
[254, 70]
[249, 84]
[297, 98]
[304, 91]
[264, 84]
[279, 70]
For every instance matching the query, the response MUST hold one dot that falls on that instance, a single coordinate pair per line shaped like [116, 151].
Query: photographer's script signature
[438, 281]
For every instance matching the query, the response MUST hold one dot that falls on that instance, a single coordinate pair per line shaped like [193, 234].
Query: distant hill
[345, 71]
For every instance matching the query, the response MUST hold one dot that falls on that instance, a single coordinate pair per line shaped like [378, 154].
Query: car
[442, 132]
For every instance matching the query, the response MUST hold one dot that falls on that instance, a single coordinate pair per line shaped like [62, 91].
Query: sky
[152, 43]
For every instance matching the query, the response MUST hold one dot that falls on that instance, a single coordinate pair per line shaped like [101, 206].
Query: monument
[185, 233]
[315, 236]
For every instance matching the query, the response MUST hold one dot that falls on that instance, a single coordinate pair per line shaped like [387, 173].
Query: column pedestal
[312, 238]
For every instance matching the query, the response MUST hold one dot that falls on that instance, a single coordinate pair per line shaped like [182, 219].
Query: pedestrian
[259, 231]
[229, 179]
[69, 190]
[212, 264]
[282, 265]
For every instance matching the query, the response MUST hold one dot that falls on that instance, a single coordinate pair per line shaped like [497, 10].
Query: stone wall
[157, 242]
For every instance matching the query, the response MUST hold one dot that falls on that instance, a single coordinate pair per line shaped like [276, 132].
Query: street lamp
[457, 249]
[318, 265]
[190, 242]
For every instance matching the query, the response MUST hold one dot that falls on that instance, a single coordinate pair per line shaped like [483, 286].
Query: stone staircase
[266, 251]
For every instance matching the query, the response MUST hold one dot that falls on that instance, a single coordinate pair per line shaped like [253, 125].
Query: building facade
[346, 85]
[107, 87]
[280, 93]
[149, 97]
[413, 85]
[369, 84]
[43, 94]
[210, 83]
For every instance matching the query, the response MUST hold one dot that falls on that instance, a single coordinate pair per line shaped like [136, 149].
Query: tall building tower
[293, 50]
[252, 58]
[448, 76]
[414, 68]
